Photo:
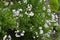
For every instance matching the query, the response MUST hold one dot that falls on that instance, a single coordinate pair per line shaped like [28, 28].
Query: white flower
[37, 36]
[41, 31]
[40, 27]
[56, 20]
[13, 10]
[34, 37]
[54, 32]
[40, 0]
[53, 20]
[17, 24]
[17, 31]
[56, 16]
[23, 31]
[49, 14]
[15, 13]
[5, 9]
[6, 3]
[17, 35]
[53, 17]
[31, 28]
[48, 35]
[19, 2]
[22, 34]
[49, 32]
[44, 8]
[31, 14]
[29, 7]
[9, 37]
[49, 6]
[48, 22]
[43, 14]
[26, 13]
[11, 3]
[36, 33]
[4, 37]
[46, 25]
[17, 17]
[20, 10]
[24, 1]
[21, 15]
[56, 24]
[54, 13]
[44, 0]
[48, 10]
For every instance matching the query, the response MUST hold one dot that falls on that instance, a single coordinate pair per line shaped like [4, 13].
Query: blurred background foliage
[54, 5]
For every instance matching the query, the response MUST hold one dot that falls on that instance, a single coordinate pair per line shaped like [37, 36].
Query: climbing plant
[33, 16]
